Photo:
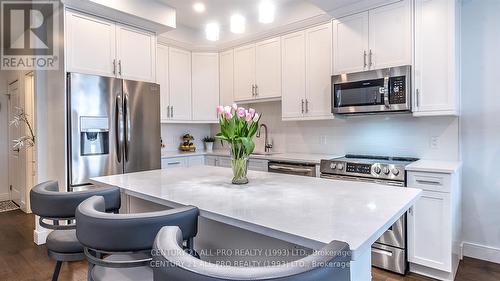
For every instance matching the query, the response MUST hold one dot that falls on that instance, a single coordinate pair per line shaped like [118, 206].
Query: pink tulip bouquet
[238, 126]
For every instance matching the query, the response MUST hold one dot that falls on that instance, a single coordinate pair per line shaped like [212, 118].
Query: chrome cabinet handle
[418, 98]
[429, 182]
[364, 59]
[371, 58]
[173, 163]
[114, 66]
[302, 101]
[171, 111]
[253, 90]
[307, 106]
[256, 90]
[168, 111]
[120, 67]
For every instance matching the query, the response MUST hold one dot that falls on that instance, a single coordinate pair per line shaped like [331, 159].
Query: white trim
[482, 252]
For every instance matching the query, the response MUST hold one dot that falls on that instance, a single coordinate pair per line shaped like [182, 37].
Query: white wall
[4, 158]
[481, 128]
[171, 134]
[398, 135]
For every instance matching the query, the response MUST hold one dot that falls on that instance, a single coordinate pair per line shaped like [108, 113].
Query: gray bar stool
[55, 206]
[171, 263]
[118, 246]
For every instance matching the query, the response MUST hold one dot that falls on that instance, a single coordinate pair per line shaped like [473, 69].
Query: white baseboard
[4, 196]
[40, 236]
[481, 252]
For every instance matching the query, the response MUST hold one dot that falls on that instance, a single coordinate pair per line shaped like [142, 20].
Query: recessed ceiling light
[212, 31]
[237, 23]
[199, 7]
[266, 11]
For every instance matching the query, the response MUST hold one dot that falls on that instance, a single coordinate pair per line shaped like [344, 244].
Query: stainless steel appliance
[292, 168]
[113, 127]
[376, 91]
[389, 251]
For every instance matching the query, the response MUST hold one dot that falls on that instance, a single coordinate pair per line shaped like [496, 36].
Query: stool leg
[56, 271]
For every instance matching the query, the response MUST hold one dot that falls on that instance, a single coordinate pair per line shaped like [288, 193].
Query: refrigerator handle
[126, 108]
[117, 127]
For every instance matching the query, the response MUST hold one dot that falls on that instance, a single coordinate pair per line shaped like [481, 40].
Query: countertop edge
[436, 166]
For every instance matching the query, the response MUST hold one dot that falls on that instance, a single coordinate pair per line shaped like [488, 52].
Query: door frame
[31, 160]
[10, 87]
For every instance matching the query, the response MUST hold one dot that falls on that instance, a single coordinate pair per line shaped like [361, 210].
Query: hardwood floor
[22, 260]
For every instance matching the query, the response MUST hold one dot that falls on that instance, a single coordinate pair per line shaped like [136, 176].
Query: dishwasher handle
[290, 169]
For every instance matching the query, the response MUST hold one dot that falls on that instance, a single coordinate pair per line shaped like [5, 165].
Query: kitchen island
[309, 212]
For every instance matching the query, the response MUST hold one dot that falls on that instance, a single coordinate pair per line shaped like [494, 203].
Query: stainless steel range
[389, 251]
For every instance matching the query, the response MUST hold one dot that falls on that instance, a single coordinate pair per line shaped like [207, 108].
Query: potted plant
[238, 126]
[209, 143]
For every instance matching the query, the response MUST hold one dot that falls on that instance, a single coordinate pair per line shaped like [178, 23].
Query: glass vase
[240, 169]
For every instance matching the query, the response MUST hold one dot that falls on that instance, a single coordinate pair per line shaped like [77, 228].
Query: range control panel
[358, 168]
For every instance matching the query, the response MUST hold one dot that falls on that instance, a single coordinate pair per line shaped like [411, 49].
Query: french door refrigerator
[113, 127]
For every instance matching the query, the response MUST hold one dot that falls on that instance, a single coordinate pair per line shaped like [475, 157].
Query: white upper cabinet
[162, 79]
[390, 35]
[318, 71]
[205, 81]
[436, 58]
[101, 47]
[293, 49]
[244, 73]
[375, 39]
[268, 69]
[136, 54]
[350, 44]
[179, 65]
[90, 45]
[306, 68]
[226, 70]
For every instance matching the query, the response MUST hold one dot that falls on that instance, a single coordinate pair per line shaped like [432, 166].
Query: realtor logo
[28, 31]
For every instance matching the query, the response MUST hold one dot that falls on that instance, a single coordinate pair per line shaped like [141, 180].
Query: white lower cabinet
[434, 224]
[184, 162]
[225, 161]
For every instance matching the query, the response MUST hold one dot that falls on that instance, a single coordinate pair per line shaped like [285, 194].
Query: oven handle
[290, 169]
[382, 252]
[348, 178]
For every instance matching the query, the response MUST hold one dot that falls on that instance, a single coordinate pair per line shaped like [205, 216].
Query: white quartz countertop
[310, 212]
[309, 158]
[435, 166]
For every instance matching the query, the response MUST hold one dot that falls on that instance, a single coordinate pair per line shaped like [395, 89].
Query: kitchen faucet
[267, 145]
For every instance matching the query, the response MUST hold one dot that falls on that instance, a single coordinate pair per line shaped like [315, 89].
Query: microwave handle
[386, 92]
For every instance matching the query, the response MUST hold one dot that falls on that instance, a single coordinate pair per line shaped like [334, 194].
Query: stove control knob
[386, 170]
[340, 166]
[395, 171]
[333, 166]
[377, 169]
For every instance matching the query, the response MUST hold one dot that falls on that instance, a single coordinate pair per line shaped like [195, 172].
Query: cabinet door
[224, 162]
[90, 45]
[136, 50]
[205, 83]
[429, 231]
[390, 35]
[162, 79]
[318, 71]
[179, 62]
[350, 44]
[435, 58]
[196, 161]
[244, 72]
[226, 77]
[293, 52]
[268, 69]
[169, 163]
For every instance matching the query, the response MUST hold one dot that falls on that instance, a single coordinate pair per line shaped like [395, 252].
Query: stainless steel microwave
[375, 91]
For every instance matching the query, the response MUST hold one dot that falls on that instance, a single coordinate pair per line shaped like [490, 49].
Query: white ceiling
[191, 25]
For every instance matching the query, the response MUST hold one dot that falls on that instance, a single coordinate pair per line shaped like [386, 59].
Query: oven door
[360, 96]
[395, 236]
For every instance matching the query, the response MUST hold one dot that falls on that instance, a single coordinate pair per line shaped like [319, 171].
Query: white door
[136, 51]
[350, 43]
[16, 171]
[429, 231]
[226, 77]
[179, 62]
[390, 35]
[90, 45]
[435, 56]
[268, 69]
[205, 86]
[293, 52]
[244, 72]
[319, 71]
[162, 79]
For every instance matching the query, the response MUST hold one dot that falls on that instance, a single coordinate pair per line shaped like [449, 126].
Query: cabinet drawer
[174, 162]
[211, 160]
[430, 181]
[257, 165]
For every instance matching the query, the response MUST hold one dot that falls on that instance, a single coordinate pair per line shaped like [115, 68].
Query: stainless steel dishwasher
[291, 168]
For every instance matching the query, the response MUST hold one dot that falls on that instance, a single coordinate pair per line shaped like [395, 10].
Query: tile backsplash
[171, 134]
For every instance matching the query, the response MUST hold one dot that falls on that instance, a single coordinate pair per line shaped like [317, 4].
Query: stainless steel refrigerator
[113, 127]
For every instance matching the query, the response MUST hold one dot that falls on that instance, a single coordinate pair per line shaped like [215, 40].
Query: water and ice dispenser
[94, 135]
